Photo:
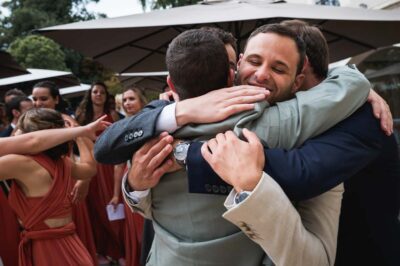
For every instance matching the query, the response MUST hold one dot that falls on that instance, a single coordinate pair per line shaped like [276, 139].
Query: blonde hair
[139, 93]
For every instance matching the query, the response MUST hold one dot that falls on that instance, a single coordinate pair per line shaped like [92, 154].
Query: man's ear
[170, 84]
[239, 61]
[16, 113]
[231, 77]
[306, 64]
[298, 81]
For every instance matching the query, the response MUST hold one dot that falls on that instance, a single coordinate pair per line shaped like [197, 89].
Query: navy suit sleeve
[319, 165]
[123, 138]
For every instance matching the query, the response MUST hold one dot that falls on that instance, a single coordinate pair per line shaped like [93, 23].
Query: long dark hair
[84, 112]
[44, 118]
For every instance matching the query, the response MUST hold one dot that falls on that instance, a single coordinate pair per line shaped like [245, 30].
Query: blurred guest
[133, 101]
[12, 93]
[108, 235]
[3, 118]
[113, 105]
[14, 109]
[118, 104]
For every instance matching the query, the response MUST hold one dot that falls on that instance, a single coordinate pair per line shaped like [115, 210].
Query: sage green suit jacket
[190, 229]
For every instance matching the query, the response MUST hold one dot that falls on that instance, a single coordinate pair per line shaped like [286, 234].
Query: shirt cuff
[166, 121]
[133, 197]
[230, 201]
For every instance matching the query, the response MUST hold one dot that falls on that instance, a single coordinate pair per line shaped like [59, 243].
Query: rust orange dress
[133, 230]
[108, 235]
[9, 233]
[40, 244]
[84, 229]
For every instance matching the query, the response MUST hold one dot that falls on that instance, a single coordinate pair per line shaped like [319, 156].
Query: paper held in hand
[117, 213]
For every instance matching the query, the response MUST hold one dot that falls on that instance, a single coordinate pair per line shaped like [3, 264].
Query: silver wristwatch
[180, 152]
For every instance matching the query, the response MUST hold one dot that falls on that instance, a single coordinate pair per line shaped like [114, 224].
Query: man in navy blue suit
[356, 152]
[350, 147]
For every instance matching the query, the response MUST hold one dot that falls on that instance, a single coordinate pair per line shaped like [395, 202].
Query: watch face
[180, 151]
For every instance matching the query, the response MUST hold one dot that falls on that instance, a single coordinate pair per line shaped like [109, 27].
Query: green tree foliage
[27, 15]
[162, 4]
[38, 52]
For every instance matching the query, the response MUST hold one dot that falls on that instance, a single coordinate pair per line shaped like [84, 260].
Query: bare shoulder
[15, 158]
[16, 166]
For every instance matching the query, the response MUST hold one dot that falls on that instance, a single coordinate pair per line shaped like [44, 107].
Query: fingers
[220, 138]
[205, 151]
[162, 139]
[212, 145]
[165, 95]
[160, 171]
[251, 137]
[244, 99]
[175, 96]
[159, 157]
[244, 88]
[386, 121]
[101, 118]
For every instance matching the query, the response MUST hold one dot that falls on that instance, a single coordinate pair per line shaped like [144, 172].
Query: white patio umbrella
[155, 81]
[138, 43]
[25, 82]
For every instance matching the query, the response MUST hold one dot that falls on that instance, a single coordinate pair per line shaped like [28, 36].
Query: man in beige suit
[326, 228]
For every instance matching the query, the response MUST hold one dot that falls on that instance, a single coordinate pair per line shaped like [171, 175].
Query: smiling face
[42, 98]
[98, 95]
[270, 60]
[131, 102]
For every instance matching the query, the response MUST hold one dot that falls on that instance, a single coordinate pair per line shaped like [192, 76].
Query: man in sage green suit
[189, 228]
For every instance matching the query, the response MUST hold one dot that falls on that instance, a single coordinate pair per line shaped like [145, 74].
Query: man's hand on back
[239, 163]
[150, 163]
[219, 104]
[381, 111]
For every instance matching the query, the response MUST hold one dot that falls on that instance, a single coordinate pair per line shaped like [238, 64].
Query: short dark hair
[225, 36]
[55, 93]
[14, 92]
[44, 118]
[317, 49]
[197, 62]
[15, 104]
[285, 31]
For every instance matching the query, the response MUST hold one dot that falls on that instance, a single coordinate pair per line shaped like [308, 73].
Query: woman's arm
[35, 142]
[86, 167]
[118, 174]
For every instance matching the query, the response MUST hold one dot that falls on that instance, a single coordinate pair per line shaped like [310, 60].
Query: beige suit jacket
[301, 236]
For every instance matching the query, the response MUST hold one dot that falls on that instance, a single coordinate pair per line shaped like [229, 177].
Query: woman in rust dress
[41, 198]
[108, 235]
[133, 101]
[46, 94]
